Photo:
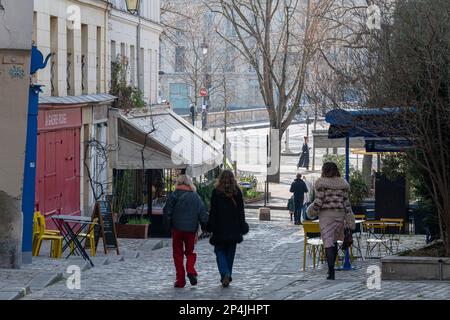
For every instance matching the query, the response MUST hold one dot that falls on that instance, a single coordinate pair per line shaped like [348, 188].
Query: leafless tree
[404, 63]
[278, 38]
[191, 45]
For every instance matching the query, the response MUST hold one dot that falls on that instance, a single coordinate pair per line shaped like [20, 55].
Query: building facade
[193, 56]
[123, 31]
[84, 37]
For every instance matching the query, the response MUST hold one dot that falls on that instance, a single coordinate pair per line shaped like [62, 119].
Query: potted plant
[358, 192]
[135, 228]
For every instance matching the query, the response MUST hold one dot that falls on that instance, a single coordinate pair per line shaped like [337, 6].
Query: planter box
[257, 199]
[132, 231]
[415, 268]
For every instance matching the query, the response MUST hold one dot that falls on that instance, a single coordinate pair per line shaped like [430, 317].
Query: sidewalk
[45, 271]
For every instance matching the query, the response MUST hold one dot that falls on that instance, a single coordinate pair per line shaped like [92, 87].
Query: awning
[383, 129]
[170, 142]
[89, 98]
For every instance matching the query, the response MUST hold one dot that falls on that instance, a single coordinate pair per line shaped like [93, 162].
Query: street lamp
[132, 6]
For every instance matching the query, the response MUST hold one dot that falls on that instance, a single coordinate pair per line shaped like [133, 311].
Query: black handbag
[348, 239]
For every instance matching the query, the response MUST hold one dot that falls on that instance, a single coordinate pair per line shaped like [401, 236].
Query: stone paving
[268, 265]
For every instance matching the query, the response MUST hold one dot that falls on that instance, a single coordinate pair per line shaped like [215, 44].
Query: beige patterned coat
[333, 208]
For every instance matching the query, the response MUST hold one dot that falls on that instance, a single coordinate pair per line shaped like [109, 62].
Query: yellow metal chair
[396, 223]
[315, 244]
[89, 236]
[37, 214]
[56, 240]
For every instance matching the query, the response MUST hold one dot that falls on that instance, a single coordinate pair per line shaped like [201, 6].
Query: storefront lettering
[56, 119]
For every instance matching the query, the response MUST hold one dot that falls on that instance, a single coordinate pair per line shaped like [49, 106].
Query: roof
[182, 145]
[89, 98]
[382, 128]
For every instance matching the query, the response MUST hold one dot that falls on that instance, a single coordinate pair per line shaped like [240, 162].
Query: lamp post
[204, 48]
[134, 7]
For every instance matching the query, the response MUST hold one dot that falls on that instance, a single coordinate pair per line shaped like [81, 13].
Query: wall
[91, 14]
[123, 31]
[15, 49]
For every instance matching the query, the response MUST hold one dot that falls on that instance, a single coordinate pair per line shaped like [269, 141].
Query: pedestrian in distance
[226, 223]
[298, 188]
[184, 212]
[291, 207]
[193, 113]
[332, 206]
[303, 162]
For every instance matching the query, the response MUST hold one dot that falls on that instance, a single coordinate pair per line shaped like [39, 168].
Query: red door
[58, 173]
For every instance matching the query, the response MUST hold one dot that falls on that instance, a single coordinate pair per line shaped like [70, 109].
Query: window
[84, 59]
[229, 59]
[179, 59]
[179, 96]
[54, 58]
[98, 59]
[133, 65]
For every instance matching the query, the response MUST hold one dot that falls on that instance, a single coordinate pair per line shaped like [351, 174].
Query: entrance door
[58, 173]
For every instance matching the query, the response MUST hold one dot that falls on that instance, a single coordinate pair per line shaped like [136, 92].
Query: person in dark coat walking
[193, 113]
[227, 223]
[184, 211]
[298, 188]
[303, 162]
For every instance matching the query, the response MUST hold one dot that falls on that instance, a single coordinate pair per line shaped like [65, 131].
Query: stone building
[84, 37]
[193, 56]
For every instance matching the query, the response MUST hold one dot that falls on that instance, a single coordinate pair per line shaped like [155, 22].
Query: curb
[14, 293]
[44, 279]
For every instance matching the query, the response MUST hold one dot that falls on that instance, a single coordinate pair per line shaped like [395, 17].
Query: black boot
[331, 258]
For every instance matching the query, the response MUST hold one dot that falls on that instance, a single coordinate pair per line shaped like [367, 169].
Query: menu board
[105, 227]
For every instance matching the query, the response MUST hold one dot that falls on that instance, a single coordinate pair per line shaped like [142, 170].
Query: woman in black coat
[227, 223]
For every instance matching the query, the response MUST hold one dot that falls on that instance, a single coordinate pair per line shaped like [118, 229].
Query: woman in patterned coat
[333, 208]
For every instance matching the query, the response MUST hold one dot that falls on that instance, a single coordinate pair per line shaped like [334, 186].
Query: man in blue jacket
[299, 188]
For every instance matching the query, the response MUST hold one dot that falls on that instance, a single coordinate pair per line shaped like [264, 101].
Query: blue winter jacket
[184, 211]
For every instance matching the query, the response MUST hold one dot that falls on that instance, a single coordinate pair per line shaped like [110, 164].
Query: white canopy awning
[170, 142]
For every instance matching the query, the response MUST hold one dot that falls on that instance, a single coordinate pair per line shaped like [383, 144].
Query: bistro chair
[313, 244]
[357, 235]
[37, 214]
[56, 239]
[397, 225]
[88, 236]
[376, 231]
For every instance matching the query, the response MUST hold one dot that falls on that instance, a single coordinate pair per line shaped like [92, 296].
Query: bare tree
[278, 38]
[404, 63]
[190, 45]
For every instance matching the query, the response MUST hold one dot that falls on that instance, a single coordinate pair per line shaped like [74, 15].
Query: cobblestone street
[268, 265]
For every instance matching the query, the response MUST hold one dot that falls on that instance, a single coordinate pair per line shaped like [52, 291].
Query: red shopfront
[58, 161]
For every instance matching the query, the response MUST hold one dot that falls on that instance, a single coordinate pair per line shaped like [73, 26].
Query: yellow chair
[396, 223]
[316, 244]
[56, 240]
[90, 236]
[37, 214]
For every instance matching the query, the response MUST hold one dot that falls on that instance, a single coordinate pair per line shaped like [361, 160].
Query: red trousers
[183, 244]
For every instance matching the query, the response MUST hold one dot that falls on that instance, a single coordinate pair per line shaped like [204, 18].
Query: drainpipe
[29, 173]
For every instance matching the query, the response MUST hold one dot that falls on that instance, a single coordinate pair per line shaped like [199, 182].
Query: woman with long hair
[332, 206]
[226, 223]
[184, 211]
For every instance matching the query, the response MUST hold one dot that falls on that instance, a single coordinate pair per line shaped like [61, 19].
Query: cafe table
[70, 228]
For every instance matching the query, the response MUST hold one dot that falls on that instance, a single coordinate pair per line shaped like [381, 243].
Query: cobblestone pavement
[268, 266]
